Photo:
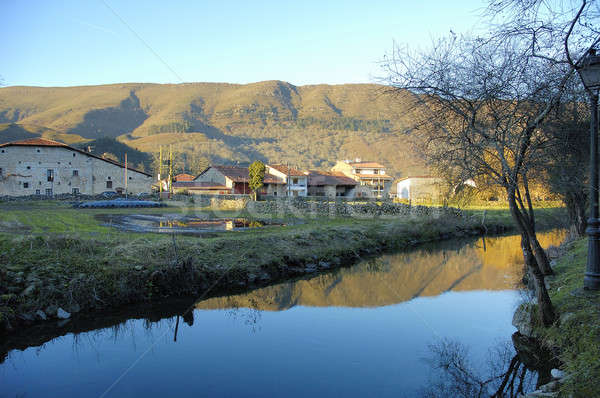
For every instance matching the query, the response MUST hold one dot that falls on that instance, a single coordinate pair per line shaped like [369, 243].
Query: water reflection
[493, 264]
[178, 223]
[354, 332]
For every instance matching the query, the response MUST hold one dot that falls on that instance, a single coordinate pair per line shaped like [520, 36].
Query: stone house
[330, 184]
[371, 177]
[233, 180]
[43, 167]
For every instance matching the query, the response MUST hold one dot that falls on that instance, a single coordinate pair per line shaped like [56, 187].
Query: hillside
[308, 126]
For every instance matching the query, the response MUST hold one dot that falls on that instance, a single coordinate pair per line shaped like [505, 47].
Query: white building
[43, 167]
[296, 181]
[423, 188]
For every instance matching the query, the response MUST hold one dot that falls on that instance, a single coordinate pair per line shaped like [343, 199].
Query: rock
[550, 387]
[41, 315]
[324, 264]
[62, 314]
[28, 290]
[74, 308]
[557, 373]
[51, 310]
[251, 278]
[310, 267]
[27, 317]
[138, 268]
[523, 320]
[62, 322]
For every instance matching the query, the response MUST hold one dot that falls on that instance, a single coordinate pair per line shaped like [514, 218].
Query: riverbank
[58, 261]
[576, 336]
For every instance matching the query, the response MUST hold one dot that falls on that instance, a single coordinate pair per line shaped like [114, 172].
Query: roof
[366, 164]
[329, 178]
[241, 174]
[379, 176]
[35, 142]
[50, 143]
[183, 177]
[198, 185]
[287, 170]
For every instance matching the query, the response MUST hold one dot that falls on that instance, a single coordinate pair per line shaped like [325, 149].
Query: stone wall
[344, 208]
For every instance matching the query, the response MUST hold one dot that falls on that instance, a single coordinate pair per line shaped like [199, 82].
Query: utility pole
[170, 170]
[160, 164]
[125, 175]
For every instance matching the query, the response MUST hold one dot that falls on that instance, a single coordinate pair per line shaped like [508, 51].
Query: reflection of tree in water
[508, 375]
[249, 315]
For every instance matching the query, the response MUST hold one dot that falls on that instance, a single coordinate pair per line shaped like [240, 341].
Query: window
[0, 171]
[108, 177]
[28, 167]
[50, 175]
[37, 192]
[108, 184]
[48, 191]
[294, 181]
[75, 173]
[75, 191]
[38, 151]
[3, 151]
[275, 193]
[25, 185]
[73, 155]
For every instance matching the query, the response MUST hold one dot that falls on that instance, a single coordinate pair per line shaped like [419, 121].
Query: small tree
[256, 173]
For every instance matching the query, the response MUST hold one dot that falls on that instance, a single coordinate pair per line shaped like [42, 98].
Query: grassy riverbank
[54, 256]
[577, 335]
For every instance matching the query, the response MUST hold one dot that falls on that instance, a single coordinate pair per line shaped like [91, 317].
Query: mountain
[308, 126]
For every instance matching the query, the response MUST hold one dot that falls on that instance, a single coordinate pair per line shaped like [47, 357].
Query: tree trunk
[545, 313]
[539, 252]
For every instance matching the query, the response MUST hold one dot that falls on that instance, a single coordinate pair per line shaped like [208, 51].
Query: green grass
[578, 335]
[65, 255]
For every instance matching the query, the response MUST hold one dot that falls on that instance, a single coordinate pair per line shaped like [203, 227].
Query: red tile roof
[198, 185]
[287, 170]
[183, 177]
[316, 177]
[241, 174]
[50, 143]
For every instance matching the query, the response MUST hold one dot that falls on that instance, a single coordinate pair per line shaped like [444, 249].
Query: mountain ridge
[309, 126]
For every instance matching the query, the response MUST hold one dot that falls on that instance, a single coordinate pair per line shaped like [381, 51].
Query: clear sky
[78, 42]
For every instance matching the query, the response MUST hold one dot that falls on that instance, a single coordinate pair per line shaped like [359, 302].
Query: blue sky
[65, 43]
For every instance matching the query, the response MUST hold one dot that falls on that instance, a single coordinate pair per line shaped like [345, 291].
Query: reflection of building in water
[399, 277]
[229, 225]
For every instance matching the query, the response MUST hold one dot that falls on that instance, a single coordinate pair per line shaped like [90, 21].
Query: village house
[43, 167]
[371, 177]
[230, 180]
[296, 181]
[330, 184]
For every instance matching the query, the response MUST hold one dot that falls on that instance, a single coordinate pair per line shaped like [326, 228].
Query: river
[359, 331]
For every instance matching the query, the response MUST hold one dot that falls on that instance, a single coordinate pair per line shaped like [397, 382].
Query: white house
[296, 180]
[421, 188]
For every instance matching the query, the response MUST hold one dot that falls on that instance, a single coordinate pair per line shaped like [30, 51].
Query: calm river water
[362, 331]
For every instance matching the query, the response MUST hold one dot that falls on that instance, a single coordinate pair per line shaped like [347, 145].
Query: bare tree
[478, 107]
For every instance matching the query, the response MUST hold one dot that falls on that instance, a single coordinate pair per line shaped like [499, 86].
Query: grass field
[54, 255]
